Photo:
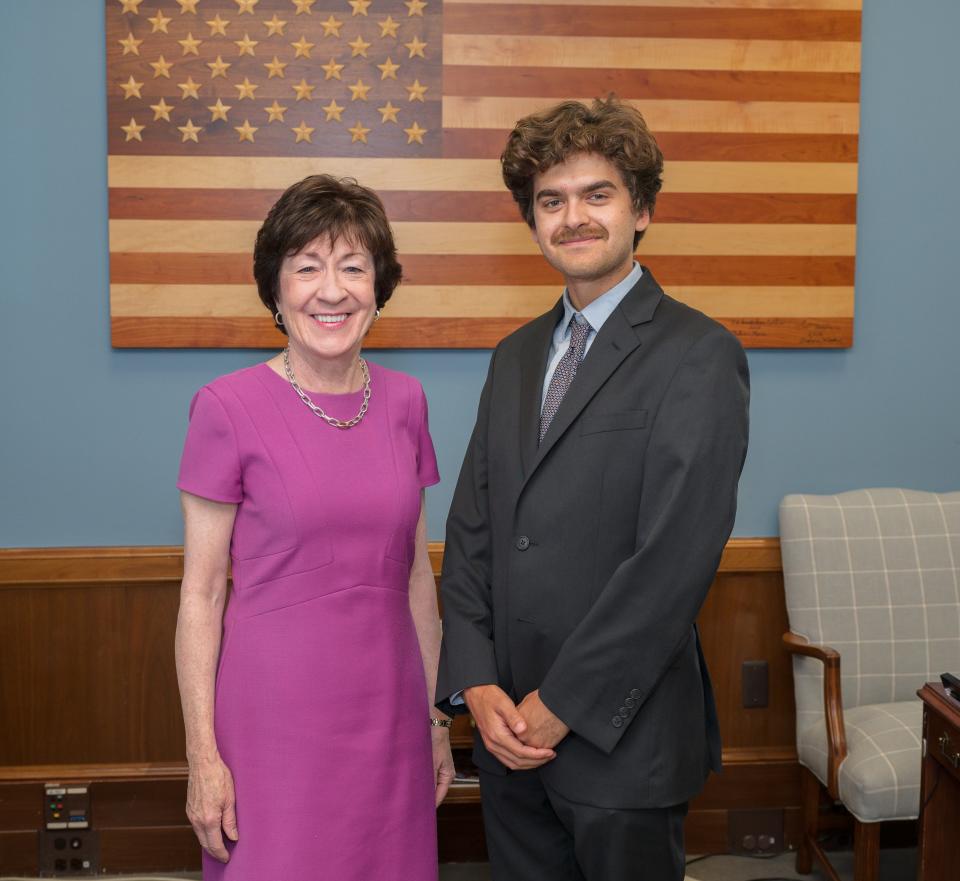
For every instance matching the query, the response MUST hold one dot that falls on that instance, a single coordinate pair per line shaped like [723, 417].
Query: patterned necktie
[565, 372]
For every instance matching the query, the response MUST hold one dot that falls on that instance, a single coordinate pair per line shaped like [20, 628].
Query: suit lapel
[616, 340]
[533, 366]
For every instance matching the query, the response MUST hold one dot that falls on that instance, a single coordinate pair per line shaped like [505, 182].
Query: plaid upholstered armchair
[872, 581]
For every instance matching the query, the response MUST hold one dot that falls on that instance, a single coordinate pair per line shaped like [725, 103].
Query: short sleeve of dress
[427, 471]
[210, 465]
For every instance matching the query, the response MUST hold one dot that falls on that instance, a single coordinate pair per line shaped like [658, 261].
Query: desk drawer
[943, 743]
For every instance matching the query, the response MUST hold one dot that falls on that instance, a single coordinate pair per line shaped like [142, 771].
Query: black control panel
[68, 846]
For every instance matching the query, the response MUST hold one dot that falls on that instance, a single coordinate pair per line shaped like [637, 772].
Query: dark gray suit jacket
[579, 566]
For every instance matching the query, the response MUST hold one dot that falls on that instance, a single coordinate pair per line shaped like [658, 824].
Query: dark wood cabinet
[939, 857]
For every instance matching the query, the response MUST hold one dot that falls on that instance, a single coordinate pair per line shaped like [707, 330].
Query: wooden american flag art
[216, 106]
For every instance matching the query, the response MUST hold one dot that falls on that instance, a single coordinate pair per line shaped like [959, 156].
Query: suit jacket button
[623, 712]
[523, 543]
[616, 721]
[630, 702]
[636, 693]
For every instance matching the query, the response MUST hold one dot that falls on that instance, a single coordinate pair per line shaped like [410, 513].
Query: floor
[895, 865]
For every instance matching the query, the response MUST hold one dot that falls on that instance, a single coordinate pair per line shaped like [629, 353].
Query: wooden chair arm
[832, 702]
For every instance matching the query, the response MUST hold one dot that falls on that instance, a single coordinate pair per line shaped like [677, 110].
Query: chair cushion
[880, 777]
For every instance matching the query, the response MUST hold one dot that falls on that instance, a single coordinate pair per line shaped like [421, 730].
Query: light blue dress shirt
[595, 314]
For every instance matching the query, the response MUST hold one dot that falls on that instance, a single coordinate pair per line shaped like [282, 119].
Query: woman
[309, 741]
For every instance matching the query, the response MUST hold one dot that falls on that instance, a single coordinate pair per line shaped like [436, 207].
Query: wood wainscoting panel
[89, 693]
[88, 673]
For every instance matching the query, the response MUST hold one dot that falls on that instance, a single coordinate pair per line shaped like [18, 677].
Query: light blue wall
[90, 437]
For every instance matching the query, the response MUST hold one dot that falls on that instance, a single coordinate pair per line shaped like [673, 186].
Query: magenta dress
[321, 708]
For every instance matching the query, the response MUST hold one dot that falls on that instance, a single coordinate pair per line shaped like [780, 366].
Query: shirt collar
[597, 312]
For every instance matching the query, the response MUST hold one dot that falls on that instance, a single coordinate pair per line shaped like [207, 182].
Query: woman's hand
[442, 762]
[211, 806]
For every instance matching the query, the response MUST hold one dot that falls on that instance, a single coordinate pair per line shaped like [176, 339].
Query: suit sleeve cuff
[592, 724]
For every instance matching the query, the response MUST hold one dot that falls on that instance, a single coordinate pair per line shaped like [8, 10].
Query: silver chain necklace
[330, 420]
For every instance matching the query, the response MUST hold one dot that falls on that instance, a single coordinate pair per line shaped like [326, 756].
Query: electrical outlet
[69, 853]
[755, 833]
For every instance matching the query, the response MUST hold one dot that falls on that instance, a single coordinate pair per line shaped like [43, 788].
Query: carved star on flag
[131, 45]
[304, 90]
[189, 89]
[218, 68]
[416, 91]
[190, 132]
[333, 110]
[159, 22]
[359, 47]
[415, 7]
[246, 131]
[130, 6]
[161, 110]
[161, 67]
[275, 26]
[188, 6]
[132, 130]
[190, 44]
[242, 7]
[389, 113]
[218, 26]
[360, 8]
[416, 47]
[359, 91]
[275, 68]
[331, 27]
[218, 111]
[303, 47]
[303, 6]
[131, 88]
[246, 45]
[245, 89]
[415, 133]
[359, 133]
[388, 70]
[388, 27]
[303, 132]
[332, 69]
[275, 112]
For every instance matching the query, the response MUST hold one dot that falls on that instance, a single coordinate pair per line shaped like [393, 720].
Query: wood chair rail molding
[61, 567]
[103, 771]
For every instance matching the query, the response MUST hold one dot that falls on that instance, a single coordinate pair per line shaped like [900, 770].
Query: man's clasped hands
[521, 736]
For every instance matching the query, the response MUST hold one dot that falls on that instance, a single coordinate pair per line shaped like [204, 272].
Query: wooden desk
[939, 844]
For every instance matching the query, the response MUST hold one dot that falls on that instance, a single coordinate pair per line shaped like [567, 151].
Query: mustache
[570, 235]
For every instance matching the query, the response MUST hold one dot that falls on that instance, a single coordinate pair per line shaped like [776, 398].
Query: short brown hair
[609, 127]
[322, 205]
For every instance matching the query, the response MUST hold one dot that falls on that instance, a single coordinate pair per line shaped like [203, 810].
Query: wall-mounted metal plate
[69, 853]
[68, 846]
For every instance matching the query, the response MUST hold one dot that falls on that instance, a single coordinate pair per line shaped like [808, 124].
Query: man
[595, 499]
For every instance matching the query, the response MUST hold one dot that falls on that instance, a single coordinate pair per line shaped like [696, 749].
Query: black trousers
[535, 834]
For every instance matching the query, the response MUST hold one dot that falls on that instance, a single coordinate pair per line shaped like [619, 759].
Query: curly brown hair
[609, 127]
[322, 205]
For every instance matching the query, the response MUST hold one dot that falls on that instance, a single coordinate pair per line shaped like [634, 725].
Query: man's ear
[643, 220]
